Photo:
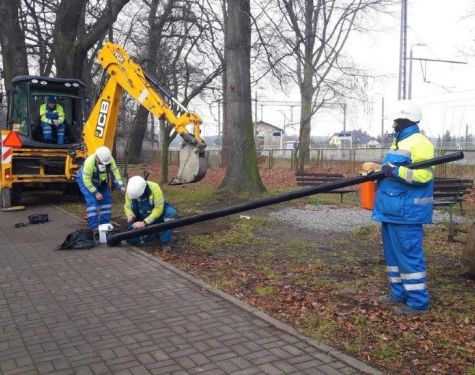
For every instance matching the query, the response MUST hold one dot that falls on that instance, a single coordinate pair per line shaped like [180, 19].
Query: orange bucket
[367, 194]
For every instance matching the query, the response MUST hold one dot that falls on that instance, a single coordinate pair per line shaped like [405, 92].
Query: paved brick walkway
[113, 311]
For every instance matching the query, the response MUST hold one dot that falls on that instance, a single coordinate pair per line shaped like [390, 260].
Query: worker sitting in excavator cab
[145, 205]
[52, 116]
[93, 180]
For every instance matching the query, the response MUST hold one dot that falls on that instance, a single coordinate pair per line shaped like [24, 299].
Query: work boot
[166, 248]
[407, 310]
[388, 300]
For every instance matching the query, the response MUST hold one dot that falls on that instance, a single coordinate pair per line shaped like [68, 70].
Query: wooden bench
[313, 179]
[449, 192]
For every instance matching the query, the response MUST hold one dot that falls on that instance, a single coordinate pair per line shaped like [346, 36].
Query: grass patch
[266, 290]
[190, 198]
[384, 353]
[224, 284]
[318, 327]
[242, 234]
[268, 272]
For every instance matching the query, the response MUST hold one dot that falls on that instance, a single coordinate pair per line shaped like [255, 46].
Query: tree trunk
[468, 255]
[225, 131]
[153, 43]
[71, 40]
[224, 134]
[69, 58]
[165, 141]
[306, 87]
[306, 95]
[242, 173]
[139, 128]
[12, 41]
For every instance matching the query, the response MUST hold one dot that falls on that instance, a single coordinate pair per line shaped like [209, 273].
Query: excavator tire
[6, 198]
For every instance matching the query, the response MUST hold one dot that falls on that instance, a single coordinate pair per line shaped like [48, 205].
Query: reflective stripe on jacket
[93, 178]
[149, 207]
[407, 197]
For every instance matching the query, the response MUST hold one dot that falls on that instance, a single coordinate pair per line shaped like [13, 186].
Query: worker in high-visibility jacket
[404, 202]
[52, 116]
[145, 205]
[93, 180]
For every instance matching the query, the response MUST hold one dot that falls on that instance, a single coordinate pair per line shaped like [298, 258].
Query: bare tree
[75, 35]
[178, 51]
[313, 33]
[37, 21]
[242, 174]
[12, 41]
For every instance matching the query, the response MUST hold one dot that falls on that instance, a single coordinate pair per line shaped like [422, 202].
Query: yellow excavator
[28, 162]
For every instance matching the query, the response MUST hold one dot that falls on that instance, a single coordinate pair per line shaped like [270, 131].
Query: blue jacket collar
[407, 132]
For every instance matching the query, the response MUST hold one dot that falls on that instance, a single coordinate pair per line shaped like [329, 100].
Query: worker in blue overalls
[93, 180]
[145, 205]
[403, 203]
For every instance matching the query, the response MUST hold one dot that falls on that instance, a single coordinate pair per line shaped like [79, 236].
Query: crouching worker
[93, 180]
[144, 205]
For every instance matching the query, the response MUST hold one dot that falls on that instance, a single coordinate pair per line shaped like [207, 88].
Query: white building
[268, 135]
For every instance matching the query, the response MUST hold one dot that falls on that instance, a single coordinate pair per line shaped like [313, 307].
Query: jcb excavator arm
[126, 75]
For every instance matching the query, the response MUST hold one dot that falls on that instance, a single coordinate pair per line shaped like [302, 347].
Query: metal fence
[343, 160]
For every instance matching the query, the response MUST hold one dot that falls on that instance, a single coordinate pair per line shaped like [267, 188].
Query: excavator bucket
[193, 165]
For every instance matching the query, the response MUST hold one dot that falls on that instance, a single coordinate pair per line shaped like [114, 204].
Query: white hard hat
[136, 186]
[408, 110]
[104, 155]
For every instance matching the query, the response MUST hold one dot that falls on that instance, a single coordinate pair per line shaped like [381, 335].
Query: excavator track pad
[193, 165]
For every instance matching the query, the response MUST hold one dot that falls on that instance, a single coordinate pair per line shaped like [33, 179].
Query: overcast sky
[448, 98]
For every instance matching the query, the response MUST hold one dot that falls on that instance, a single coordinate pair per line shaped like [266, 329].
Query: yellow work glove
[369, 167]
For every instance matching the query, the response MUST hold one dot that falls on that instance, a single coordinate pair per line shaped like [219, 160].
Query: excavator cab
[27, 161]
[27, 95]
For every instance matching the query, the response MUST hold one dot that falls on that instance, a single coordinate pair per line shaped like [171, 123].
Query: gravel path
[338, 219]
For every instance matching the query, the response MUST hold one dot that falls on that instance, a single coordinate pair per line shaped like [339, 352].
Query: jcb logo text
[102, 118]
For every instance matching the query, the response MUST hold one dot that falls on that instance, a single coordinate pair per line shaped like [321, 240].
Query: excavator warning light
[13, 140]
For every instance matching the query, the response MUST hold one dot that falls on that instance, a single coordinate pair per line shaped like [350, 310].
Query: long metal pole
[344, 117]
[403, 52]
[255, 120]
[219, 121]
[115, 239]
[382, 127]
[409, 88]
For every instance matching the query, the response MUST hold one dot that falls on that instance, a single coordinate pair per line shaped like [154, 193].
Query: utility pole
[255, 117]
[219, 120]
[466, 137]
[382, 127]
[403, 52]
[344, 117]
[409, 87]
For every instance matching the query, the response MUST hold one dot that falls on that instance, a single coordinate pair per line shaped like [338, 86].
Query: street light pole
[382, 127]
[411, 59]
[344, 117]
[403, 52]
[409, 87]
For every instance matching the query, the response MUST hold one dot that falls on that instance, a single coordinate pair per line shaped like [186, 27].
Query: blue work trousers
[98, 211]
[406, 267]
[48, 133]
[165, 237]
